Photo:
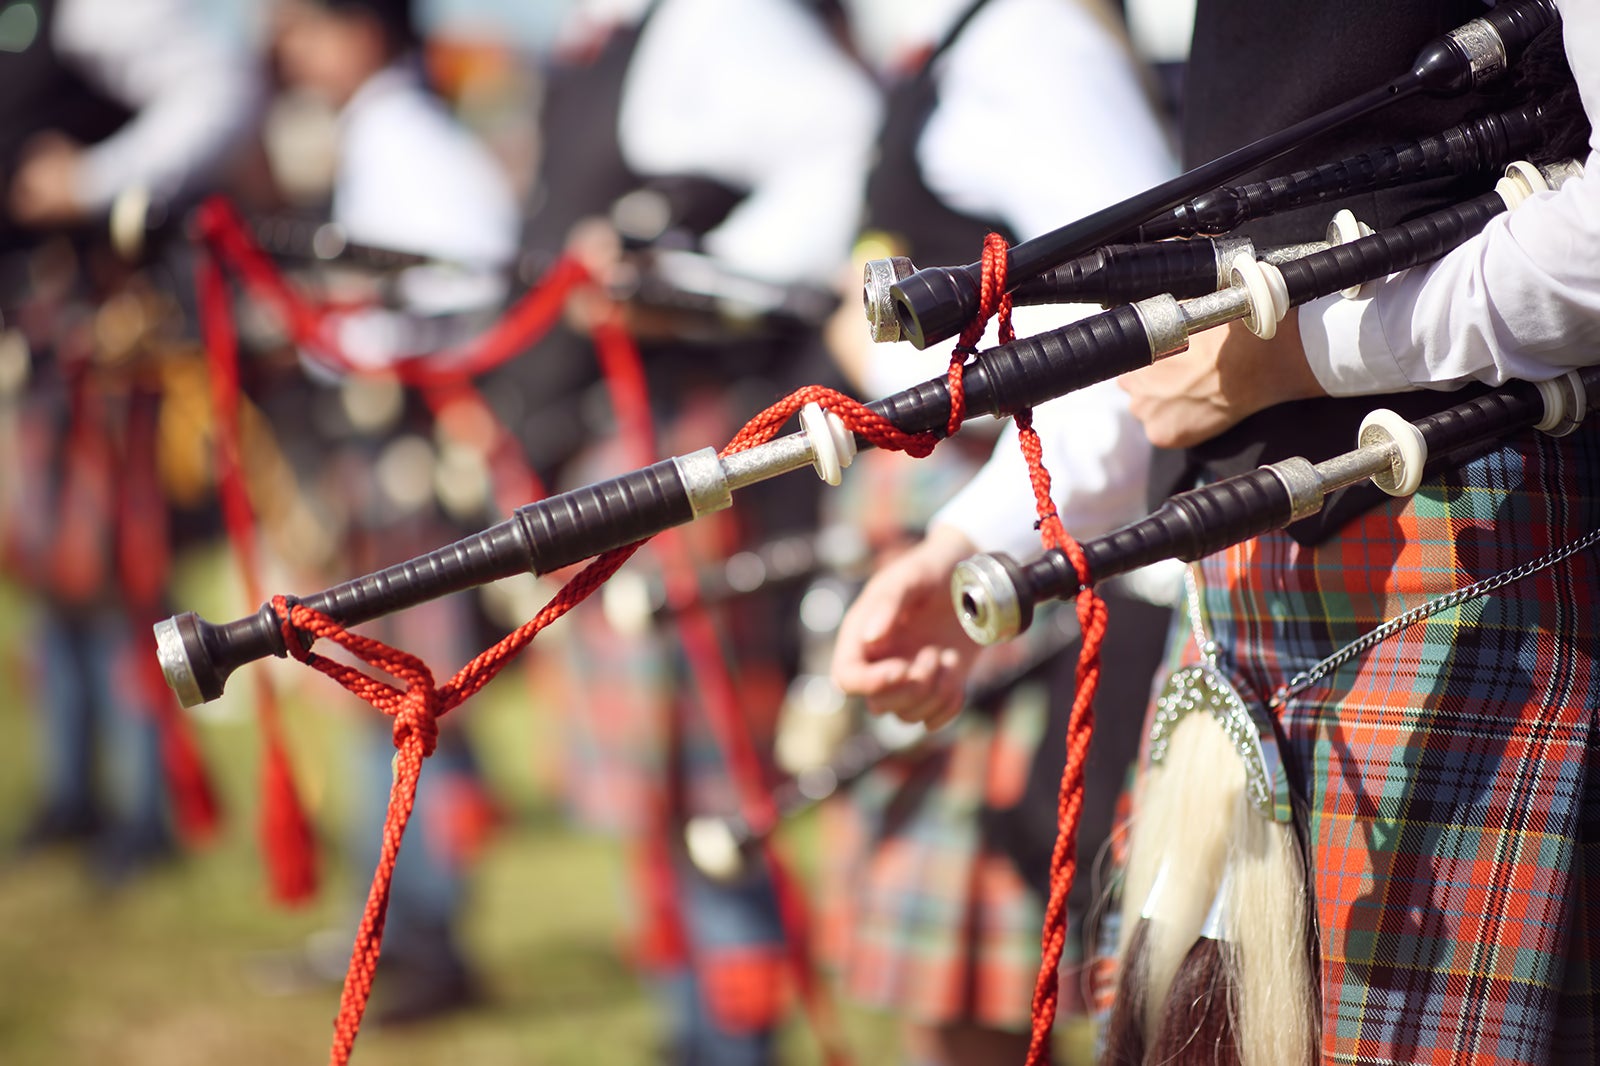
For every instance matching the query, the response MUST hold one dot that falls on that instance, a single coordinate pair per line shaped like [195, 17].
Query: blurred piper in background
[143, 99]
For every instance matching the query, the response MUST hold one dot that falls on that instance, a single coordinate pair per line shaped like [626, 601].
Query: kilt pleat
[1453, 819]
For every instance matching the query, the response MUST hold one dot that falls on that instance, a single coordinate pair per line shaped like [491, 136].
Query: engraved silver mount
[1486, 52]
[1204, 688]
[175, 663]
[877, 278]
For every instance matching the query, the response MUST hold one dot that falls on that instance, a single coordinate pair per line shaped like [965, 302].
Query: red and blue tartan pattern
[922, 915]
[1454, 824]
[629, 696]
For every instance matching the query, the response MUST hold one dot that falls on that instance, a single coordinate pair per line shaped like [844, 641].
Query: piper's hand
[900, 645]
[44, 189]
[1227, 374]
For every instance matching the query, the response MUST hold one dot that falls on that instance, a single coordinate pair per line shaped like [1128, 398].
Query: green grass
[160, 971]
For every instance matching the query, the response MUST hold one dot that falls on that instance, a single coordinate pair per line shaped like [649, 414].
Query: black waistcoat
[584, 171]
[1247, 78]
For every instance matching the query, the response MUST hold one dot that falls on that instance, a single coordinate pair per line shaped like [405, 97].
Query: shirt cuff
[1347, 350]
[986, 513]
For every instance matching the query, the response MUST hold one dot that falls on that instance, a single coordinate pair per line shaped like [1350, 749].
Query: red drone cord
[417, 701]
[417, 704]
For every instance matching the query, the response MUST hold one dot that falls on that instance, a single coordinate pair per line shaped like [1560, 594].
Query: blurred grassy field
[159, 971]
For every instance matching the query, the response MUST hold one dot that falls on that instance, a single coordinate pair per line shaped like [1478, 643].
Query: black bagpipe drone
[1177, 287]
[577, 525]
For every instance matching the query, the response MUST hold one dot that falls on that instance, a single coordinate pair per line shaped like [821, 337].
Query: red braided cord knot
[416, 709]
[992, 300]
[857, 417]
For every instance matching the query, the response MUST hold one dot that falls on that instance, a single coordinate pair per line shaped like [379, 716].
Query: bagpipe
[721, 847]
[1216, 281]
[659, 276]
[634, 602]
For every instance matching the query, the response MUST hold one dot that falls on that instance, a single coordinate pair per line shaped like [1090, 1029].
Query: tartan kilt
[1453, 826]
[923, 915]
[633, 728]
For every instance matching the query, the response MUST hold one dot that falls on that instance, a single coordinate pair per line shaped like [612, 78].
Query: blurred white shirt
[193, 90]
[755, 94]
[411, 178]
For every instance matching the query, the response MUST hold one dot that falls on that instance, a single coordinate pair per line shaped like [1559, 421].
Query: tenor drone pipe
[1478, 146]
[136, 220]
[197, 656]
[1121, 273]
[995, 596]
[326, 242]
[673, 279]
[935, 303]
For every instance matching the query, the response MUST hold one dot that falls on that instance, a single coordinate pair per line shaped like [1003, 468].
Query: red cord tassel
[286, 836]
[194, 801]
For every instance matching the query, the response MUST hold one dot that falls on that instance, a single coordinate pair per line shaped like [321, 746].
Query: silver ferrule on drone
[706, 481]
[1169, 322]
[878, 277]
[175, 665]
[986, 599]
[1485, 51]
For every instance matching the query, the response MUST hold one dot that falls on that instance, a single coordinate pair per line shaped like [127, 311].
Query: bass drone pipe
[1477, 146]
[1120, 273]
[995, 596]
[933, 304]
[198, 656]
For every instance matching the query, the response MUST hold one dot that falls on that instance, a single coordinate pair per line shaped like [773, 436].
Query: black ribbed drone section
[1028, 371]
[1482, 145]
[1188, 526]
[1122, 273]
[1420, 240]
[540, 537]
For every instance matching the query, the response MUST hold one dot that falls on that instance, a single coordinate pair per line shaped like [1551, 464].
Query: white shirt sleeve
[1099, 464]
[1520, 300]
[413, 179]
[1018, 148]
[753, 93]
[193, 90]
